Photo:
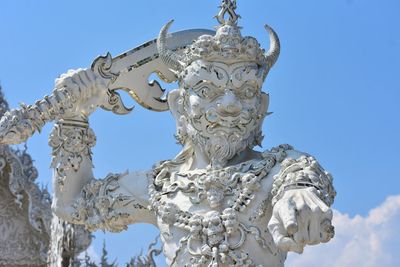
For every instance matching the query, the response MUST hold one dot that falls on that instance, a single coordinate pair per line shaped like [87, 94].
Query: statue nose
[229, 104]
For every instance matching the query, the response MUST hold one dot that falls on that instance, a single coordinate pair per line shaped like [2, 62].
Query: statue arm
[302, 194]
[109, 204]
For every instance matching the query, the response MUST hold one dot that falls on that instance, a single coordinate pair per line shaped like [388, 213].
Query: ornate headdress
[227, 45]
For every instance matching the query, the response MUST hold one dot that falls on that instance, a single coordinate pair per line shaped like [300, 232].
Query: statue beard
[224, 137]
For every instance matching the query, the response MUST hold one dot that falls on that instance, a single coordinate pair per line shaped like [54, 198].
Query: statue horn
[274, 48]
[169, 57]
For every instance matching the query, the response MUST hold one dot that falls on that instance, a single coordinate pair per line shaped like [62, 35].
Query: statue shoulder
[284, 152]
[285, 155]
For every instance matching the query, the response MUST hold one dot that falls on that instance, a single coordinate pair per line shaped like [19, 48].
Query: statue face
[223, 107]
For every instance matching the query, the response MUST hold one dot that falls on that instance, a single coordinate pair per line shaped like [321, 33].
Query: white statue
[218, 202]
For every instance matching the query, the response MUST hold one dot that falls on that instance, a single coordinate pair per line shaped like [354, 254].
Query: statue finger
[287, 244]
[315, 199]
[64, 76]
[314, 231]
[328, 214]
[63, 81]
[327, 230]
[281, 238]
[314, 203]
[91, 79]
[304, 217]
[87, 84]
[301, 237]
[71, 85]
[288, 216]
[90, 75]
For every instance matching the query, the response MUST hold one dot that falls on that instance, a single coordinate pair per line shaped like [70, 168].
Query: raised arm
[110, 203]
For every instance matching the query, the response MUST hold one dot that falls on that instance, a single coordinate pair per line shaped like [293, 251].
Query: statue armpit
[102, 205]
[303, 172]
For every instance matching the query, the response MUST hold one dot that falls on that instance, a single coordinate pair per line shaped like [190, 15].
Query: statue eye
[249, 92]
[206, 92]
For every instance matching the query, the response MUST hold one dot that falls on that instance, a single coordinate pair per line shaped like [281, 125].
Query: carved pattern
[99, 207]
[20, 243]
[227, 46]
[300, 173]
[148, 259]
[67, 241]
[71, 142]
[17, 125]
[216, 236]
[239, 181]
[26, 215]
[25, 212]
[102, 66]
[228, 6]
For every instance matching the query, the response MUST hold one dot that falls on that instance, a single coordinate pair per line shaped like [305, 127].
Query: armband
[302, 173]
[71, 141]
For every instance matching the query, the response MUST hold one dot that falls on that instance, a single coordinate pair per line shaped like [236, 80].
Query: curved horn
[169, 57]
[274, 48]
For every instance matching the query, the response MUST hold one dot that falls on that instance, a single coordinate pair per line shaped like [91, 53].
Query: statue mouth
[213, 128]
[216, 118]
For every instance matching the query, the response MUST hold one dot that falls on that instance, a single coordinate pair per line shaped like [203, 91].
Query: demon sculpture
[218, 202]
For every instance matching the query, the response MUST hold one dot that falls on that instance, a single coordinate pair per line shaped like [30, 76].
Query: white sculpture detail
[218, 202]
[30, 235]
[25, 214]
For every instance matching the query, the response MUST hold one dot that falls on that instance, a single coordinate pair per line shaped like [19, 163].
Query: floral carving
[25, 213]
[71, 142]
[99, 205]
[300, 173]
[216, 236]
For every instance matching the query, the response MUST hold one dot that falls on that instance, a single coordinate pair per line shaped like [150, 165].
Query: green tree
[104, 260]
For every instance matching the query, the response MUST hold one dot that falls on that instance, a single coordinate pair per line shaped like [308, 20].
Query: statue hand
[300, 218]
[89, 89]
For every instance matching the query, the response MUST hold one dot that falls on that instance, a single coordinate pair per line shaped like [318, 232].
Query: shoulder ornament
[300, 173]
[99, 206]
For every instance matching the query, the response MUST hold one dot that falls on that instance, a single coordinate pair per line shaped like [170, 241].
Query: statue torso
[217, 217]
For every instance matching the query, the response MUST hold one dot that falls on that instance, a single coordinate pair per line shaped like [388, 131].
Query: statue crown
[227, 45]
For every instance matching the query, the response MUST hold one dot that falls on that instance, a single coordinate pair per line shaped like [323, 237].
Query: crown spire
[227, 45]
[228, 7]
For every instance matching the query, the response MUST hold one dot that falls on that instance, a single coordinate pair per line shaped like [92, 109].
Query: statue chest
[216, 216]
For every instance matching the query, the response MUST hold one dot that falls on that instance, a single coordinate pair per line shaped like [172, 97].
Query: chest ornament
[218, 235]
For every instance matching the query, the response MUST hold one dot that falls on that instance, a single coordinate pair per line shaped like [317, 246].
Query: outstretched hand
[300, 218]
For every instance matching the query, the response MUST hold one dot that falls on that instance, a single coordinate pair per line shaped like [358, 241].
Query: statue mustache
[221, 122]
[218, 118]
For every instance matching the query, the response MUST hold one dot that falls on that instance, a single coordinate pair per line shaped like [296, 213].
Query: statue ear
[175, 102]
[264, 103]
[175, 106]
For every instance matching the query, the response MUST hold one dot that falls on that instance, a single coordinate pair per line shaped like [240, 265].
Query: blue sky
[334, 92]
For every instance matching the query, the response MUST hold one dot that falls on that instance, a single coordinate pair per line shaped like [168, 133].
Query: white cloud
[371, 241]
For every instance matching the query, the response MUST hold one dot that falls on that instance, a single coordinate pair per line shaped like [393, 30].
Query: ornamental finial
[227, 45]
[228, 6]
